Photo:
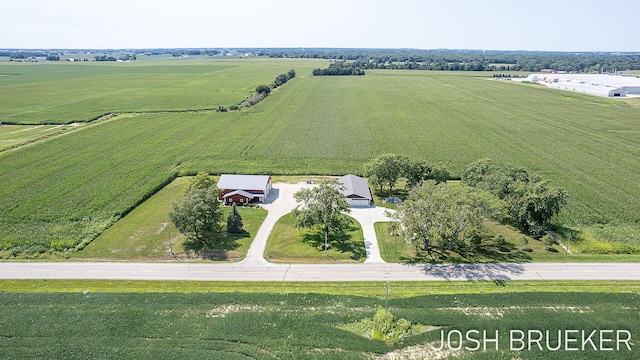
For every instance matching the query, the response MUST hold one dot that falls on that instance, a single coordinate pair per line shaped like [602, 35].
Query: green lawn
[71, 188]
[148, 233]
[83, 324]
[287, 244]
[394, 249]
[399, 289]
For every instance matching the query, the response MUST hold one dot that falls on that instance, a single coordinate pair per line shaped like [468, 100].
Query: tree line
[470, 60]
[125, 57]
[340, 68]
[262, 91]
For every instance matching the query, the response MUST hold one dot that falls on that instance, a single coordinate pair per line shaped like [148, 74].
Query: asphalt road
[308, 272]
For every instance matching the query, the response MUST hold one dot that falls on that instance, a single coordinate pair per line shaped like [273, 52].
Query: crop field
[71, 188]
[76, 92]
[169, 325]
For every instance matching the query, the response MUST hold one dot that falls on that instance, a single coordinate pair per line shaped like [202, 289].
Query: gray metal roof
[355, 185]
[243, 182]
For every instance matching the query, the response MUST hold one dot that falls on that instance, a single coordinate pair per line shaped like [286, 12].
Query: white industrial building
[593, 84]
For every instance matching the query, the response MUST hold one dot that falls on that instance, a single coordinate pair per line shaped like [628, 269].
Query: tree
[438, 218]
[198, 215]
[234, 221]
[532, 201]
[419, 171]
[386, 169]
[280, 80]
[322, 207]
[201, 181]
[416, 172]
[548, 241]
[291, 73]
[533, 204]
[263, 90]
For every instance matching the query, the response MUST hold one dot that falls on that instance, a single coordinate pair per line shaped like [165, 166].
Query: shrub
[548, 241]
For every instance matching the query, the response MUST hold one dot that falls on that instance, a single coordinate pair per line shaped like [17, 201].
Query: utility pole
[387, 301]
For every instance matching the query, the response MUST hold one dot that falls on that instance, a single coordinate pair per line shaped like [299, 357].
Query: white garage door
[358, 202]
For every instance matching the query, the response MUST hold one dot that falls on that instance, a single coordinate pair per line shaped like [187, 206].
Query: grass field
[72, 188]
[267, 325]
[291, 245]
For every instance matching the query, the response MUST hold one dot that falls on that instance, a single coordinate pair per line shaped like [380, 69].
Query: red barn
[244, 188]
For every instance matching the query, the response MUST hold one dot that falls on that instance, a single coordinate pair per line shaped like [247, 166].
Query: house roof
[243, 182]
[240, 192]
[355, 185]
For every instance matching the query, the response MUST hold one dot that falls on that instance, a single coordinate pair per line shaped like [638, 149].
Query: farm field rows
[86, 324]
[70, 92]
[72, 188]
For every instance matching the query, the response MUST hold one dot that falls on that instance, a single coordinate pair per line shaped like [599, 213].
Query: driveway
[280, 202]
[367, 217]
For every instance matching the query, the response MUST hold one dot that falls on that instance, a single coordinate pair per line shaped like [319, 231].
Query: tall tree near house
[438, 218]
[198, 215]
[234, 221]
[418, 171]
[386, 169]
[322, 207]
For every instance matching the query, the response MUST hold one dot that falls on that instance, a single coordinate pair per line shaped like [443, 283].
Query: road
[308, 272]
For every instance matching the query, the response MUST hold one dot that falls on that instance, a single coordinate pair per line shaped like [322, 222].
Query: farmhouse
[356, 190]
[244, 188]
[593, 84]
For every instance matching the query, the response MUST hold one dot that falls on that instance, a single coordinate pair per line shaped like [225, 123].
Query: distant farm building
[593, 84]
[356, 190]
[244, 188]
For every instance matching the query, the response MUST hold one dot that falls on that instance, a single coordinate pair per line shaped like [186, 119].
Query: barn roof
[240, 192]
[355, 185]
[243, 182]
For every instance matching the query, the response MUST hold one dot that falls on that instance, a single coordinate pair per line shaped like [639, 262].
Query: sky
[559, 25]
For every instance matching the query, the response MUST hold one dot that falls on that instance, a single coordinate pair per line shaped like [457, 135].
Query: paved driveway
[367, 217]
[280, 202]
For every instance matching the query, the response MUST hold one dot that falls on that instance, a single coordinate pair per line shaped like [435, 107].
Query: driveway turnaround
[367, 217]
[281, 201]
[308, 272]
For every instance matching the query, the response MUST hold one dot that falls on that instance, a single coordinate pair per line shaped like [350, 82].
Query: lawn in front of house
[288, 244]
